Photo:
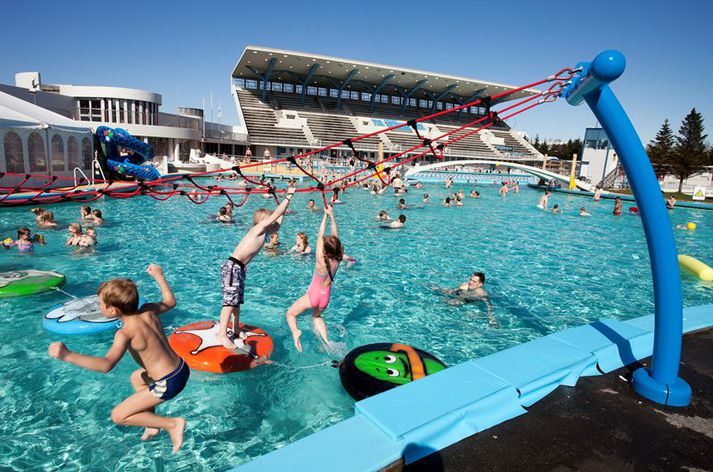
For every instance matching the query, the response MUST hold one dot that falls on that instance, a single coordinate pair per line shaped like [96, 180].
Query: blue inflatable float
[80, 316]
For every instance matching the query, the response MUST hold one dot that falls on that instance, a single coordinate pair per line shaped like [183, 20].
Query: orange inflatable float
[196, 343]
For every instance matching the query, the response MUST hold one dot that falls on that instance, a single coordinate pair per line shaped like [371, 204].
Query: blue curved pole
[660, 382]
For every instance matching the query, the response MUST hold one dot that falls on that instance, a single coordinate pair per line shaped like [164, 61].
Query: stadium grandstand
[292, 102]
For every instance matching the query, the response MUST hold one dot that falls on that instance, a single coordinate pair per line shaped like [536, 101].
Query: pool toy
[29, 282]
[634, 210]
[197, 344]
[696, 267]
[376, 368]
[690, 225]
[125, 166]
[80, 316]
[8, 243]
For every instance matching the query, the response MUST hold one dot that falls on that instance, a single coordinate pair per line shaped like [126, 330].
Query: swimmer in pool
[75, 234]
[272, 248]
[556, 209]
[425, 198]
[85, 213]
[583, 212]
[446, 202]
[223, 215]
[311, 206]
[542, 204]
[301, 245]
[617, 207]
[473, 291]
[329, 253]
[162, 374]
[398, 223]
[383, 216]
[98, 219]
[504, 189]
[402, 204]
[46, 220]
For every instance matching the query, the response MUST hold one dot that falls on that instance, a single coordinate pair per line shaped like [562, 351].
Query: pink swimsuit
[317, 292]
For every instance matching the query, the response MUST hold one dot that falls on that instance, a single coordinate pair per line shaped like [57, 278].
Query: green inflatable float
[20, 283]
[376, 368]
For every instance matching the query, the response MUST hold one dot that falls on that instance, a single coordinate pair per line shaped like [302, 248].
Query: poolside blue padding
[614, 343]
[353, 445]
[421, 417]
[538, 367]
[442, 408]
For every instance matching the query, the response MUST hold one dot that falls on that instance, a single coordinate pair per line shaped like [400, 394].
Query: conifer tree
[661, 149]
[690, 156]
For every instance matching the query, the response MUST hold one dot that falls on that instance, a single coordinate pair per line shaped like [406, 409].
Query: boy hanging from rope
[233, 270]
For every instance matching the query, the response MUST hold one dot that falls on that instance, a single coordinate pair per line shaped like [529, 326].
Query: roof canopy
[260, 63]
[15, 112]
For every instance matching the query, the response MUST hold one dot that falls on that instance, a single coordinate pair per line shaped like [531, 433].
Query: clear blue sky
[192, 47]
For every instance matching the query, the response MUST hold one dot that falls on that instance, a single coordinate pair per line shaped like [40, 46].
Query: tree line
[561, 150]
[682, 155]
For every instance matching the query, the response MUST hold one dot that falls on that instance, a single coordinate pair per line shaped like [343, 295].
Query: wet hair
[402, 218]
[76, 226]
[582, 209]
[448, 199]
[480, 276]
[86, 210]
[333, 249]
[556, 206]
[121, 294]
[38, 211]
[402, 201]
[23, 231]
[425, 195]
[383, 213]
[92, 230]
[310, 201]
[260, 214]
[97, 213]
[46, 217]
[223, 211]
[303, 238]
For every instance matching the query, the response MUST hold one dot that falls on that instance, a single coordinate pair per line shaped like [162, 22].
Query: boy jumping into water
[233, 270]
[162, 375]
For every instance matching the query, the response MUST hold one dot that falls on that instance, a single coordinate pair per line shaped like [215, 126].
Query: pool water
[545, 273]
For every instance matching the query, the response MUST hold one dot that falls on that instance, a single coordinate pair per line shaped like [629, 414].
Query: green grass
[683, 197]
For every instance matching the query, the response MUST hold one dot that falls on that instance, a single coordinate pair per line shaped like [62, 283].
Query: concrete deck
[600, 424]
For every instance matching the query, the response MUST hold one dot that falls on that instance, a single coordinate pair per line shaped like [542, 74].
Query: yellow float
[696, 267]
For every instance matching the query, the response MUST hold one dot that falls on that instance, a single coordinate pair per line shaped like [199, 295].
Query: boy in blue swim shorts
[162, 375]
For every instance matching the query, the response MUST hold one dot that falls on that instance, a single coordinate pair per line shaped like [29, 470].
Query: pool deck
[600, 424]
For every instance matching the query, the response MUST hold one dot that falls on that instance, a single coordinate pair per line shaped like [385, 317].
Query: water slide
[541, 173]
[128, 165]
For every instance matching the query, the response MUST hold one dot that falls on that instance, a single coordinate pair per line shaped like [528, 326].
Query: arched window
[57, 153]
[36, 152]
[73, 153]
[14, 161]
[87, 153]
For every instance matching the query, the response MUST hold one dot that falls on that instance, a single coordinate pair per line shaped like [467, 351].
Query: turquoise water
[545, 272]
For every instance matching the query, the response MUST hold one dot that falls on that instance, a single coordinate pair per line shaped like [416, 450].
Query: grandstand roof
[258, 62]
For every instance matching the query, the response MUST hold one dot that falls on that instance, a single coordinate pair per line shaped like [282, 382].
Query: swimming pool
[545, 273]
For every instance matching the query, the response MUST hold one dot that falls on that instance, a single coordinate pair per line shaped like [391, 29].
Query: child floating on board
[233, 270]
[162, 375]
[328, 255]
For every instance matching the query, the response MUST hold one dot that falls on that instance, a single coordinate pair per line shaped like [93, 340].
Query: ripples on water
[545, 273]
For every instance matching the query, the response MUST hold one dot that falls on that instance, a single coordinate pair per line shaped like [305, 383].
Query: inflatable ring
[80, 316]
[375, 368]
[29, 282]
[197, 344]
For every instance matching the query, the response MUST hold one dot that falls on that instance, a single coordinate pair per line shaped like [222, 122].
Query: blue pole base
[676, 394]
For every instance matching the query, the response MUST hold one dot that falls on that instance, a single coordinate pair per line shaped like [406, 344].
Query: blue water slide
[114, 138]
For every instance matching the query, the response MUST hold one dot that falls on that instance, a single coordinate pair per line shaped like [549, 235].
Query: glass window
[57, 153]
[121, 104]
[298, 89]
[277, 87]
[396, 100]
[439, 105]
[311, 90]
[289, 88]
[36, 152]
[334, 93]
[322, 92]
[384, 99]
[240, 82]
[366, 97]
[14, 161]
[354, 95]
[345, 94]
[87, 153]
[449, 106]
[412, 102]
[73, 153]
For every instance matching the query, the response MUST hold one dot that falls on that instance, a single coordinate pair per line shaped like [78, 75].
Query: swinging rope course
[167, 187]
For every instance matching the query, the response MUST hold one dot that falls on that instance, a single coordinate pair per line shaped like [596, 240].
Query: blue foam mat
[417, 419]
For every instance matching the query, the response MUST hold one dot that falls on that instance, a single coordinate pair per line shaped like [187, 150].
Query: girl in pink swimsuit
[328, 254]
